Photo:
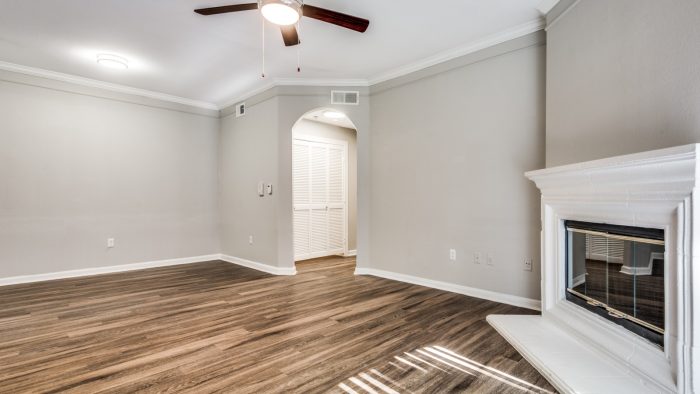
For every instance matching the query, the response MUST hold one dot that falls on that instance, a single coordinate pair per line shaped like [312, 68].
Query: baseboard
[270, 269]
[350, 253]
[454, 288]
[15, 280]
[105, 270]
[578, 280]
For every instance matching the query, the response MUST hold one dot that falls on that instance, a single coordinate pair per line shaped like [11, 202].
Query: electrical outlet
[489, 259]
[110, 242]
[528, 264]
[250, 239]
[453, 255]
[477, 258]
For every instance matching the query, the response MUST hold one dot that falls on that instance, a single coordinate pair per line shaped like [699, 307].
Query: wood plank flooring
[218, 327]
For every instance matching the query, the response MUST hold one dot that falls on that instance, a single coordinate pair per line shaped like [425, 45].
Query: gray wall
[76, 169]
[441, 168]
[248, 151]
[318, 129]
[258, 146]
[448, 155]
[622, 77]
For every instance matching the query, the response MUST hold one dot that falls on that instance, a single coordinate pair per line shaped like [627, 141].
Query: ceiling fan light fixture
[281, 12]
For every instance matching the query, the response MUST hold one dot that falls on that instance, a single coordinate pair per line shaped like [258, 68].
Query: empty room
[360, 197]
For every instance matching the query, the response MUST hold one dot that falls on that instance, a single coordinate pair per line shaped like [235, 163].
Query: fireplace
[617, 272]
[618, 264]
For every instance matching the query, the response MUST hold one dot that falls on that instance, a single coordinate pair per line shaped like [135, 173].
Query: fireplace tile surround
[579, 351]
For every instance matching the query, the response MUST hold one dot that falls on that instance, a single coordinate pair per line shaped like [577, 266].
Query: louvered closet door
[336, 199]
[301, 188]
[319, 198]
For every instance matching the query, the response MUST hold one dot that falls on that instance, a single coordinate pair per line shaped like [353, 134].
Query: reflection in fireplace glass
[617, 272]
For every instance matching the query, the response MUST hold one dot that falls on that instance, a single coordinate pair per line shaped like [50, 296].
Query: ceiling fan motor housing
[288, 12]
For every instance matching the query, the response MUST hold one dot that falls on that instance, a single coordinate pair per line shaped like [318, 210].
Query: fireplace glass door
[617, 272]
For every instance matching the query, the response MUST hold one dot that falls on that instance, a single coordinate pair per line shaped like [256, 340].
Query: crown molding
[254, 92]
[560, 9]
[546, 5]
[494, 39]
[93, 83]
[321, 82]
[488, 41]
[275, 82]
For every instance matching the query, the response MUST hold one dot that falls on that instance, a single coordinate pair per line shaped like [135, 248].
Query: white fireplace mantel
[579, 351]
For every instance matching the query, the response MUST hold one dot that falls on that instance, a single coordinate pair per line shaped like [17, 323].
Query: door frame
[346, 185]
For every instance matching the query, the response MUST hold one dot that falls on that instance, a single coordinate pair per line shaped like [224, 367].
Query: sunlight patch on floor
[429, 360]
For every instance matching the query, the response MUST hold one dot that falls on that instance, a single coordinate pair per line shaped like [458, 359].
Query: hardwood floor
[218, 327]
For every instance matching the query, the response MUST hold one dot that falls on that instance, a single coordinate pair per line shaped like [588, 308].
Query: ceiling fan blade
[290, 35]
[227, 8]
[336, 18]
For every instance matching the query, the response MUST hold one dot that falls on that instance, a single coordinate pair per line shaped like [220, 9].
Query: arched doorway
[324, 185]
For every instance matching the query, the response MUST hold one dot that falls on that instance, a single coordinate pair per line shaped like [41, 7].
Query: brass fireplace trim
[616, 236]
[616, 313]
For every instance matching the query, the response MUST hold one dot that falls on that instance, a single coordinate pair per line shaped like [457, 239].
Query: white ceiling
[215, 59]
[317, 116]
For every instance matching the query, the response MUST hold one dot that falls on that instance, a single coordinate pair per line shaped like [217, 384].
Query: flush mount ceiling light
[112, 61]
[281, 12]
[334, 115]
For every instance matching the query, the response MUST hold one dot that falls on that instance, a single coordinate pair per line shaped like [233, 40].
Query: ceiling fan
[286, 13]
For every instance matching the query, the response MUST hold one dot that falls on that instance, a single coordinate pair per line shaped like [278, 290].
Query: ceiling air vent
[240, 110]
[341, 97]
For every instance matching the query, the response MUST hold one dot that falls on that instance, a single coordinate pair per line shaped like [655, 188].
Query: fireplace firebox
[617, 272]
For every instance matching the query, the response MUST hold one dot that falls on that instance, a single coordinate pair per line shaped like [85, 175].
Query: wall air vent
[341, 97]
[240, 110]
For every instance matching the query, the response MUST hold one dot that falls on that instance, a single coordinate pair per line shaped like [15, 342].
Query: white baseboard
[454, 288]
[350, 253]
[105, 270]
[580, 279]
[643, 270]
[15, 280]
[270, 269]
